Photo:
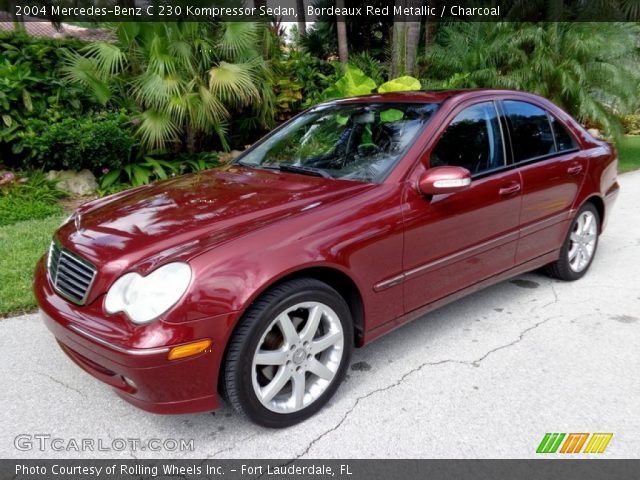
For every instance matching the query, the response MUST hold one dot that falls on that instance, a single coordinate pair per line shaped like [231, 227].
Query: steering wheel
[368, 149]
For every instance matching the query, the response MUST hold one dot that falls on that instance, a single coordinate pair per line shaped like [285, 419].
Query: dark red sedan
[256, 281]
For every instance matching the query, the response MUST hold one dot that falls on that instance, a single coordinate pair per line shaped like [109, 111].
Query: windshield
[361, 142]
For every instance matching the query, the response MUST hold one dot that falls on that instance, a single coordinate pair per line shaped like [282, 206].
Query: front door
[455, 240]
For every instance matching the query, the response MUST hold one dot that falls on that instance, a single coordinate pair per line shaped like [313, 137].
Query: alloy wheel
[583, 240]
[297, 357]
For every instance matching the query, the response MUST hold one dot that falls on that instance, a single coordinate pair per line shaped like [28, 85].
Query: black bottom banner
[583, 469]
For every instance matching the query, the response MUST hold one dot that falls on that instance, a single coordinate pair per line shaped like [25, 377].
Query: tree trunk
[429, 27]
[343, 48]
[397, 42]
[191, 140]
[413, 39]
[302, 20]
[405, 40]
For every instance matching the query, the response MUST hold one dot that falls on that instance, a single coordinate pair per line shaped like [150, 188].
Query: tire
[277, 376]
[582, 239]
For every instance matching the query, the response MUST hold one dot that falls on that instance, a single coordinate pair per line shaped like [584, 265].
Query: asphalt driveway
[485, 377]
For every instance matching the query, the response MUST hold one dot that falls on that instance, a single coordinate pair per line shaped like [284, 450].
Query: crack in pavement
[235, 444]
[59, 382]
[474, 363]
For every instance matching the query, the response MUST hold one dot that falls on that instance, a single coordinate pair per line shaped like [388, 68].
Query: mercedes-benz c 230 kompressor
[255, 281]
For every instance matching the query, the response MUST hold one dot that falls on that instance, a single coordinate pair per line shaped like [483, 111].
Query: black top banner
[290, 10]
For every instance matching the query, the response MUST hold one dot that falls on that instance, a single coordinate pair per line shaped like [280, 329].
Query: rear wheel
[579, 247]
[289, 353]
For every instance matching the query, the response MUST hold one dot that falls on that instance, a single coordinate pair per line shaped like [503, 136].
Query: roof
[427, 96]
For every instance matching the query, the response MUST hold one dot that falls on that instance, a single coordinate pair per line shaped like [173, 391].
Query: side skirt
[391, 325]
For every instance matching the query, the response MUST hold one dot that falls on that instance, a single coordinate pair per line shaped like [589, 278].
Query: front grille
[70, 275]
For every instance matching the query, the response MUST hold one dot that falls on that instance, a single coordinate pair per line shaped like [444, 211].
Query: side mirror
[440, 180]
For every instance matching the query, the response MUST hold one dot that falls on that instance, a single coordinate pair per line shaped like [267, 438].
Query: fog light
[189, 349]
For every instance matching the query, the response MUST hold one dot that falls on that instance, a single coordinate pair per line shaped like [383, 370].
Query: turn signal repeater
[188, 350]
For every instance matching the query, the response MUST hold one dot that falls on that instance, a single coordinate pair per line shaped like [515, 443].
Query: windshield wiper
[315, 172]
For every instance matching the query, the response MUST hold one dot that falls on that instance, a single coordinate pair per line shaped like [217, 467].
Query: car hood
[183, 216]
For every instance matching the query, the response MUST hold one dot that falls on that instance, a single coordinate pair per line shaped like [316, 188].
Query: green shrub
[30, 86]
[151, 168]
[371, 66]
[631, 124]
[43, 53]
[314, 74]
[355, 82]
[288, 90]
[36, 198]
[96, 142]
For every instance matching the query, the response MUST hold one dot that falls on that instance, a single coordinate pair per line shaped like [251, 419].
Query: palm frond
[233, 82]
[85, 71]
[157, 128]
[239, 39]
[109, 58]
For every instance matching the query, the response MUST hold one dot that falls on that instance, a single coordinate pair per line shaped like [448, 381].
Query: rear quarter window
[564, 139]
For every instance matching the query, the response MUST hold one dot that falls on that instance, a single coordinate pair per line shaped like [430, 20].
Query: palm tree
[343, 48]
[589, 69]
[182, 78]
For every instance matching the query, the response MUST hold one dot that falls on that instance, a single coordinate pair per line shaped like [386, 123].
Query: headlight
[146, 298]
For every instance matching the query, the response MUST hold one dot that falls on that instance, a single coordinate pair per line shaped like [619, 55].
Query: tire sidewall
[251, 405]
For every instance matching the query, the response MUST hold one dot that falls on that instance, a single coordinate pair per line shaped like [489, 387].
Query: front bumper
[133, 358]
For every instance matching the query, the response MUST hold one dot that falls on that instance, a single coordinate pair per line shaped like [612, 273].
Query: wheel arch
[344, 285]
[599, 204]
[334, 277]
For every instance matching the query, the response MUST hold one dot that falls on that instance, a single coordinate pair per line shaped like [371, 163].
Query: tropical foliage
[94, 141]
[589, 69]
[30, 87]
[371, 37]
[355, 82]
[181, 80]
[153, 101]
[631, 124]
[150, 167]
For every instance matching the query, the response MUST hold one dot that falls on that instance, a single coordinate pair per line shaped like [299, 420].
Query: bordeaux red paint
[393, 251]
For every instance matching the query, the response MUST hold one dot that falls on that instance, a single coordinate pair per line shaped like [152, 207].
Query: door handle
[509, 189]
[574, 170]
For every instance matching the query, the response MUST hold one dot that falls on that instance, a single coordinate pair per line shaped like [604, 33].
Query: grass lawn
[629, 153]
[21, 244]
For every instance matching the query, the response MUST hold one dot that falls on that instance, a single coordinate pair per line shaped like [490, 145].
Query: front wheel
[289, 353]
[579, 247]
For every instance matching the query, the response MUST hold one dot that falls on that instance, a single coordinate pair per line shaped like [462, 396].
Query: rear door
[552, 169]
